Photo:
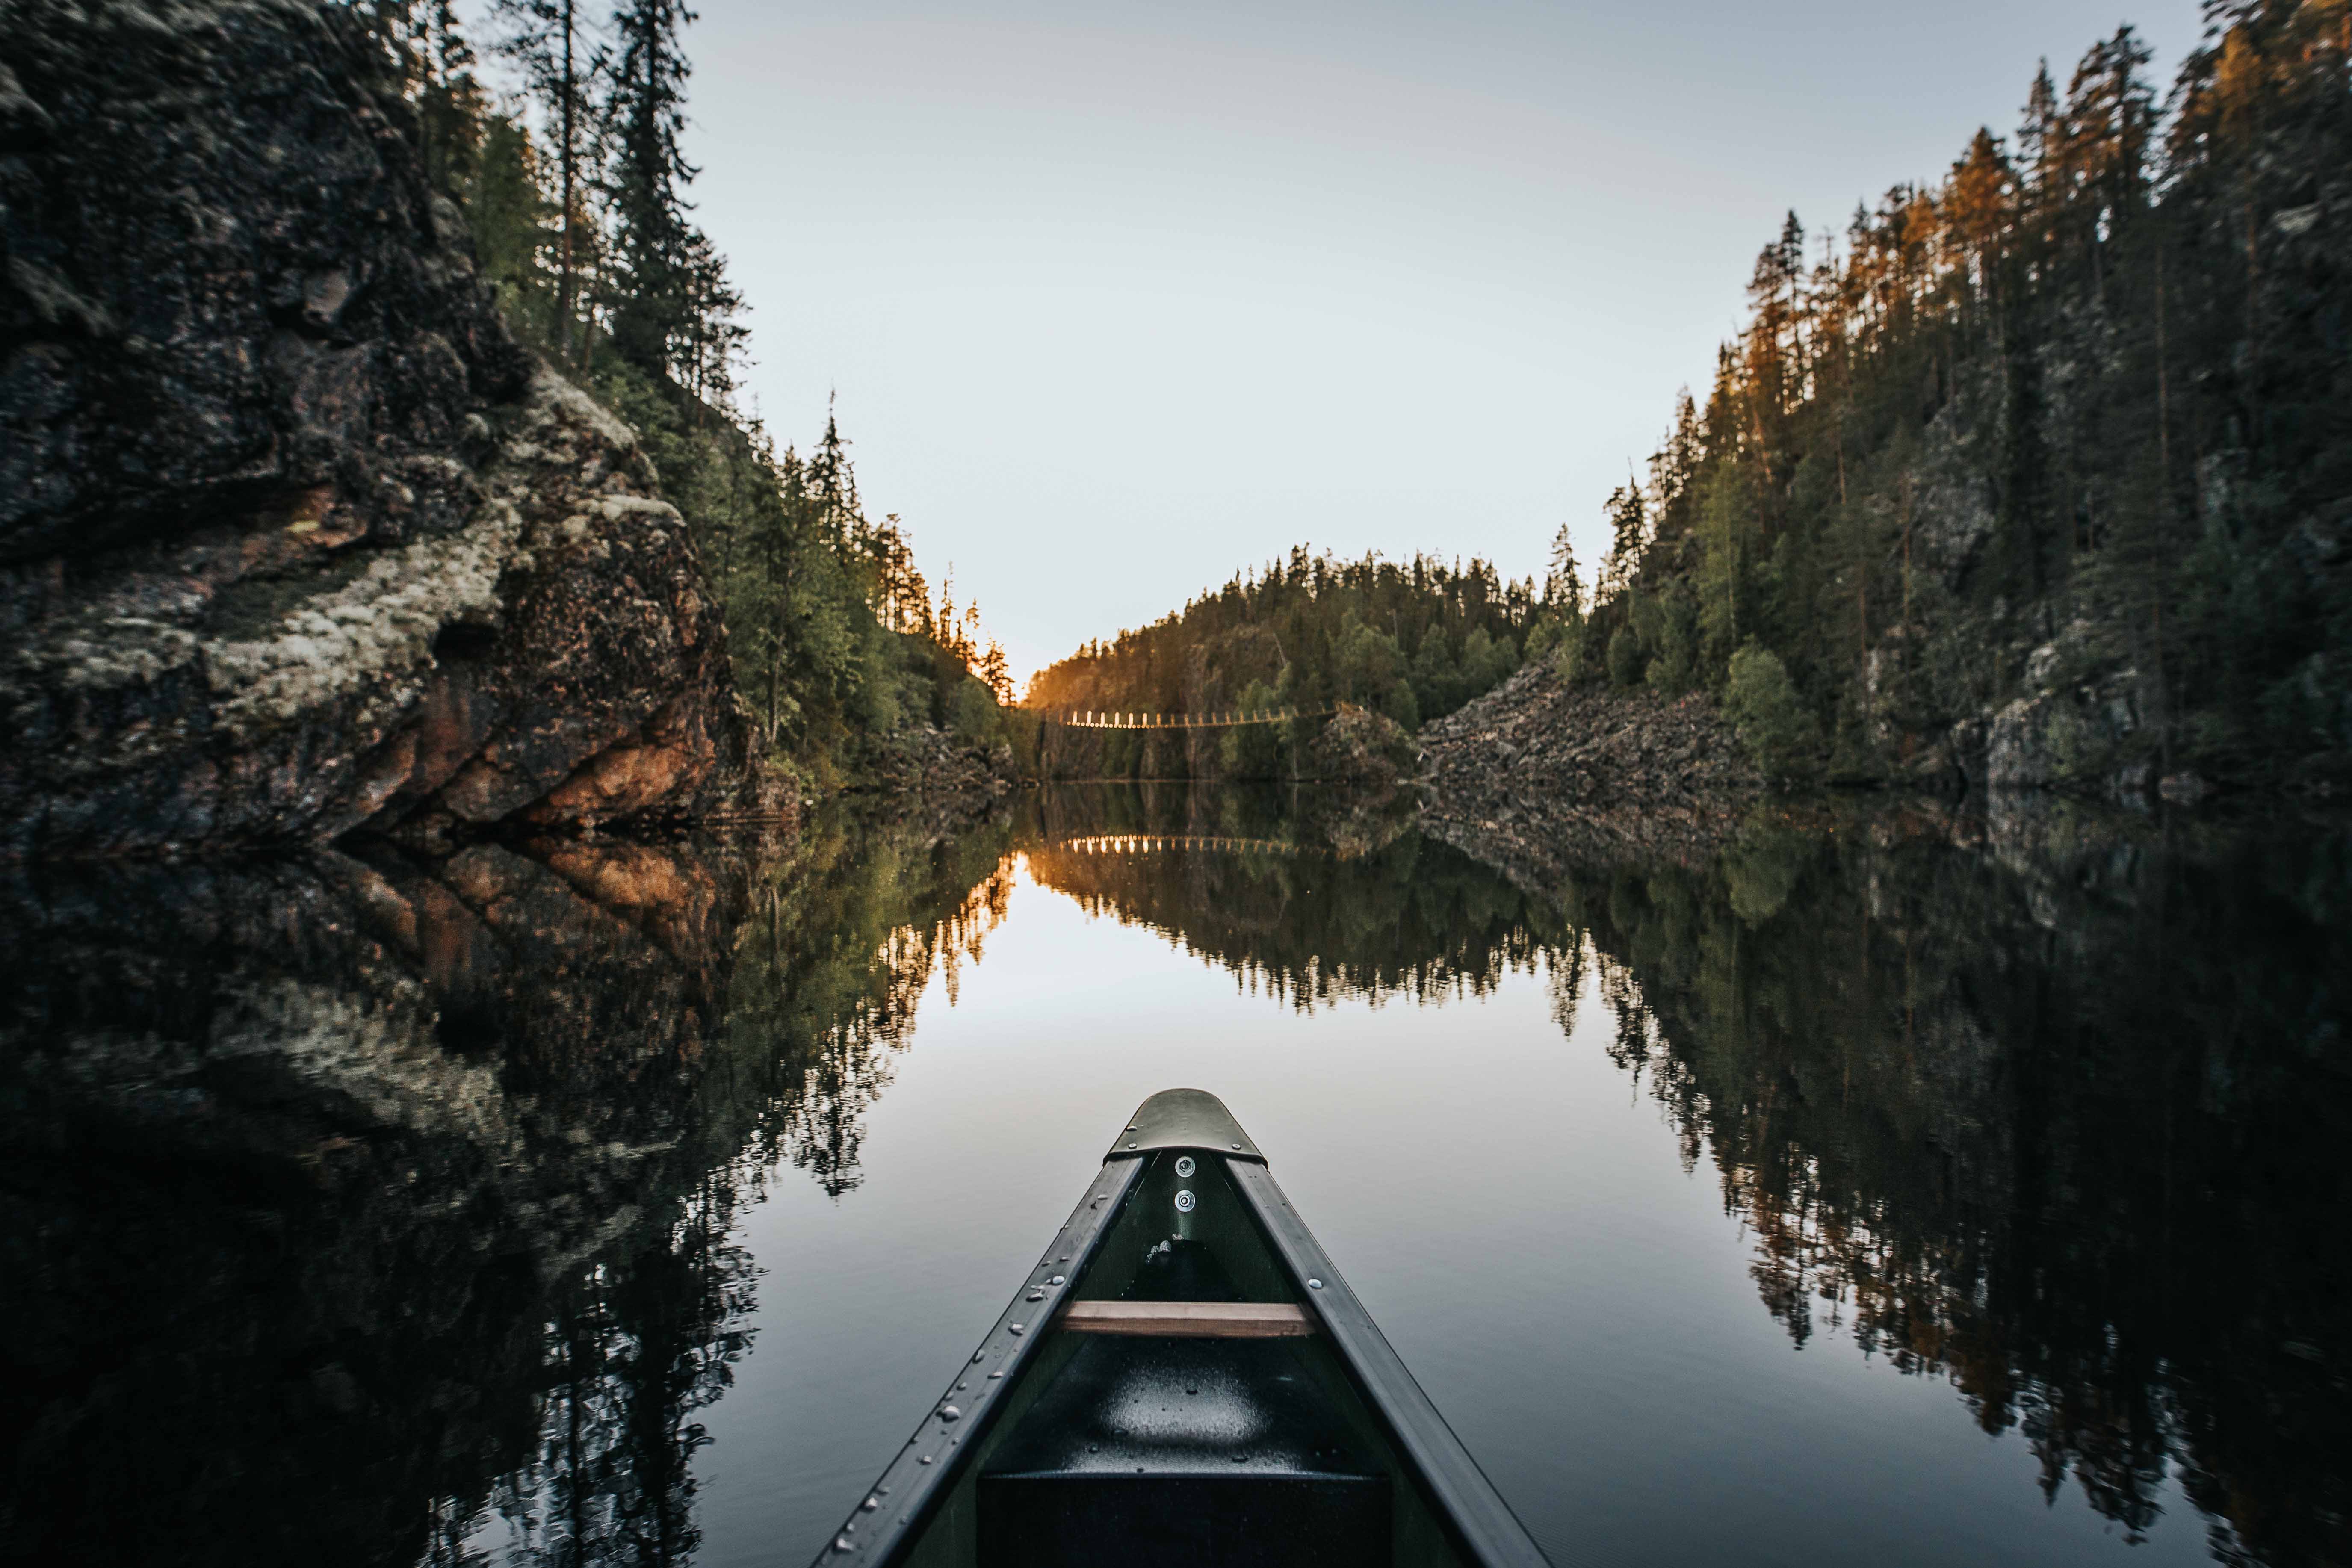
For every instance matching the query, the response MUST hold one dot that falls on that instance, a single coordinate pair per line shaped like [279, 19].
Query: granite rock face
[293, 537]
[1539, 738]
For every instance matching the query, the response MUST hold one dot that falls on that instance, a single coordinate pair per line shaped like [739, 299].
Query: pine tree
[1563, 592]
[649, 291]
[547, 41]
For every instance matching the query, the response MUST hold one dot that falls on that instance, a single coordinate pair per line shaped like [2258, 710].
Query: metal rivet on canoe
[1015, 1328]
[962, 1386]
[843, 1544]
[950, 1413]
[1056, 1280]
[925, 1459]
[1314, 1284]
[1236, 1145]
[1064, 1258]
[1036, 1295]
[871, 1504]
[994, 1375]
[1184, 1166]
[1131, 1144]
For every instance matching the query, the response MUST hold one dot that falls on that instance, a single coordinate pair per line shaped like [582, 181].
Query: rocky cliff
[294, 539]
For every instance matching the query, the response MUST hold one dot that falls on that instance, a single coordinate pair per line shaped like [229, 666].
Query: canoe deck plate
[1184, 1119]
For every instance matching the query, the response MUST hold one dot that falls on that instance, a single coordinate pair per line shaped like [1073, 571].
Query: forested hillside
[575, 188]
[2042, 469]
[1407, 640]
[1412, 640]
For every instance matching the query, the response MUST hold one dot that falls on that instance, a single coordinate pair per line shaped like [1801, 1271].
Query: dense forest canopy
[1412, 639]
[2080, 412]
[575, 188]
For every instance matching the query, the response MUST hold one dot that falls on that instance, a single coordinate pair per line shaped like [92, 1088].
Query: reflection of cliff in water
[1303, 893]
[406, 1189]
[2056, 1114]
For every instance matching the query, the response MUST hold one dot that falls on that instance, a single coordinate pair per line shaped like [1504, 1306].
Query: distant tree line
[2100, 374]
[575, 188]
[1412, 639]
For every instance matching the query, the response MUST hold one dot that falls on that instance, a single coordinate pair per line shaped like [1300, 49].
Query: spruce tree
[547, 41]
[652, 242]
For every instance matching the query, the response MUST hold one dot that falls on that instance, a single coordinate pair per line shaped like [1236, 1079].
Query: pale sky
[1118, 299]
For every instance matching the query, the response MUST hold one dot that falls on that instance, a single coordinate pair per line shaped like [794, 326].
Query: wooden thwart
[1190, 1319]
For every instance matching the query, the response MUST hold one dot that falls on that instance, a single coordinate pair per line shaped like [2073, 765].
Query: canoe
[1184, 1380]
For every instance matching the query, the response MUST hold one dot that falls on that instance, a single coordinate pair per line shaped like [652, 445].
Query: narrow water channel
[1821, 1185]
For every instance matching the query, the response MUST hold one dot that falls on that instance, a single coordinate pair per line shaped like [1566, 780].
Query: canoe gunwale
[1486, 1530]
[914, 1489]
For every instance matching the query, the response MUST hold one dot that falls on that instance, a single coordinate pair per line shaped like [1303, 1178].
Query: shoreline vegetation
[856, 672]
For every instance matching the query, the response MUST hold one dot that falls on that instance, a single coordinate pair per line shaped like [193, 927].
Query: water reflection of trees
[836, 942]
[409, 1186]
[2061, 1123]
[835, 951]
[1348, 906]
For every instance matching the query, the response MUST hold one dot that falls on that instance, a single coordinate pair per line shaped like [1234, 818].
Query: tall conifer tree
[547, 41]
[652, 241]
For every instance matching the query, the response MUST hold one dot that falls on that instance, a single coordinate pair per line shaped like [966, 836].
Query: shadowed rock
[293, 537]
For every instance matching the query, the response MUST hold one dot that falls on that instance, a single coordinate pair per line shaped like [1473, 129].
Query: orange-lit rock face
[336, 552]
[665, 761]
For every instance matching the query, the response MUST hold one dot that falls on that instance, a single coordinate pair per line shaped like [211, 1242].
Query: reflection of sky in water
[1515, 1211]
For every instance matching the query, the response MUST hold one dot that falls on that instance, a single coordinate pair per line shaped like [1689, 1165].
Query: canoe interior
[1242, 1449]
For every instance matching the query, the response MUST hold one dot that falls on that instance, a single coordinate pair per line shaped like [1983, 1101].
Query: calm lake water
[1829, 1185]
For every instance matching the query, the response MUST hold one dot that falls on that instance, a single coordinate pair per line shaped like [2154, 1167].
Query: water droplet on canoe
[1314, 1284]
[1056, 1280]
[950, 1413]
[843, 1544]
[926, 1459]
[1064, 1258]
[871, 1504]
[1036, 1295]
[994, 1375]
[962, 1386]
[1016, 1328]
